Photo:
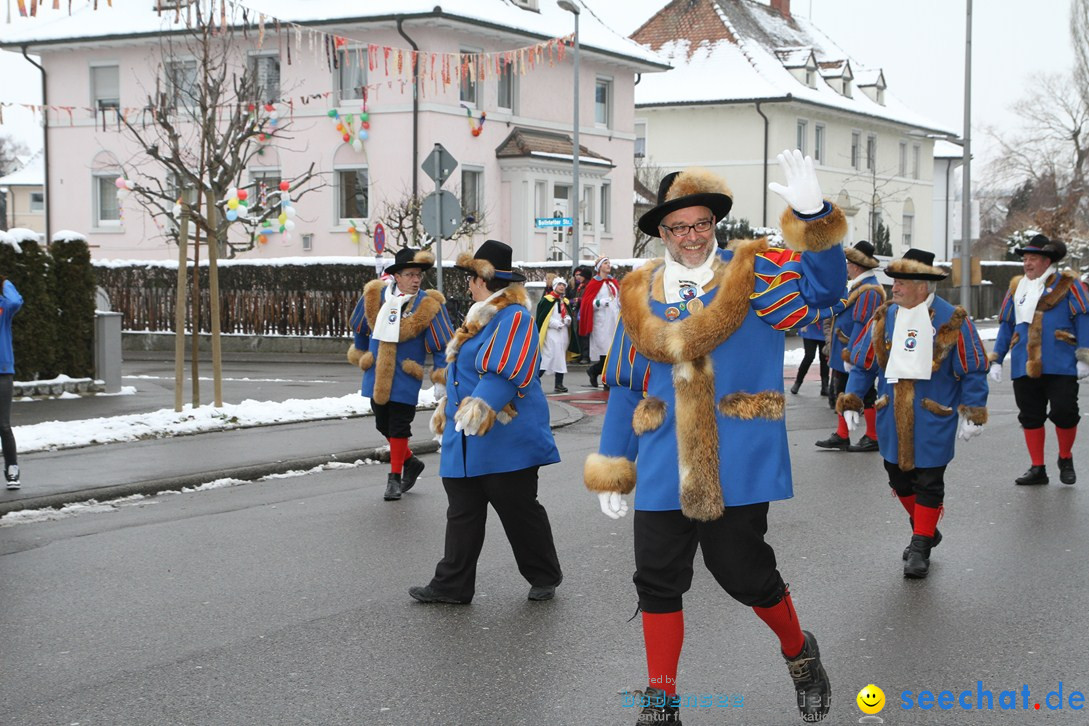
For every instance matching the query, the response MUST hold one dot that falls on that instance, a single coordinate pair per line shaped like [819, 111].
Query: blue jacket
[917, 420]
[849, 325]
[394, 371]
[696, 413]
[1058, 336]
[494, 357]
[10, 304]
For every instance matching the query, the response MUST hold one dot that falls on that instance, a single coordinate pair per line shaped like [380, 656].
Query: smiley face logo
[870, 699]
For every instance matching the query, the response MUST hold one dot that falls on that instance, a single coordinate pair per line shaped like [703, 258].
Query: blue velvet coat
[849, 325]
[1055, 340]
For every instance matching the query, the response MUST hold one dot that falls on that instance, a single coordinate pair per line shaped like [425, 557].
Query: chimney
[782, 7]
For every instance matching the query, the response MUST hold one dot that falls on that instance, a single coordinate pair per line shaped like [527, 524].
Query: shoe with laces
[835, 441]
[12, 476]
[814, 691]
[1035, 476]
[428, 595]
[864, 444]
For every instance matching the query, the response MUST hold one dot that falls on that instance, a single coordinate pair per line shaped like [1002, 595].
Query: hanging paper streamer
[475, 128]
[287, 212]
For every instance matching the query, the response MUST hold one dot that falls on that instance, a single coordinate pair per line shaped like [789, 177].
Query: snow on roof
[794, 57]
[947, 150]
[751, 58]
[31, 174]
[127, 18]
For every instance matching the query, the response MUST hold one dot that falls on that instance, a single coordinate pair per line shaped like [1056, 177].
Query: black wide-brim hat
[862, 254]
[689, 188]
[915, 265]
[1053, 249]
[406, 257]
[491, 261]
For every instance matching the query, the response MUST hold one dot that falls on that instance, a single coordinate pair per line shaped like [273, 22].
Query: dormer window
[847, 87]
[811, 77]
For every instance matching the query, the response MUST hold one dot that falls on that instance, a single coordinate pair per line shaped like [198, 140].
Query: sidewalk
[108, 471]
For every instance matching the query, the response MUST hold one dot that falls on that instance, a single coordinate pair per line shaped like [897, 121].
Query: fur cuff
[816, 236]
[974, 414]
[1082, 354]
[438, 375]
[475, 416]
[366, 361]
[354, 354]
[992, 357]
[507, 414]
[848, 402]
[438, 418]
[412, 368]
[609, 474]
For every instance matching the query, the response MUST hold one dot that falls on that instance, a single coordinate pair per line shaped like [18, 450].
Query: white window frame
[856, 149]
[509, 78]
[820, 131]
[916, 156]
[339, 199]
[466, 83]
[604, 210]
[253, 62]
[350, 57]
[182, 95]
[104, 182]
[907, 230]
[640, 138]
[262, 175]
[540, 199]
[99, 100]
[903, 158]
[586, 208]
[802, 136]
[607, 83]
[478, 192]
[37, 201]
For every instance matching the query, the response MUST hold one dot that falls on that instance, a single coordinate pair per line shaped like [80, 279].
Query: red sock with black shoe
[926, 519]
[783, 621]
[663, 634]
[908, 503]
[871, 423]
[398, 450]
[1066, 442]
[843, 432]
[1034, 439]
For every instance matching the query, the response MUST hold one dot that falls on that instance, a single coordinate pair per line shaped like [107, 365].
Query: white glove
[1083, 369]
[612, 504]
[474, 417]
[566, 320]
[995, 372]
[847, 367]
[439, 389]
[802, 191]
[852, 418]
[968, 430]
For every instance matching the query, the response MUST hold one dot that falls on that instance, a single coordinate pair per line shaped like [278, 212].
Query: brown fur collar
[414, 324]
[696, 335]
[816, 235]
[944, 340]
[479, 319]
[879, 289]
[903, 406]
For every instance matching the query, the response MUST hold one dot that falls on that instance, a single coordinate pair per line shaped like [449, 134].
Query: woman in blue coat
[11, 303]
[500, 435]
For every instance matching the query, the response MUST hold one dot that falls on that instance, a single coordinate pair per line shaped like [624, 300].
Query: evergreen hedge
[34, 329]
[75, 293]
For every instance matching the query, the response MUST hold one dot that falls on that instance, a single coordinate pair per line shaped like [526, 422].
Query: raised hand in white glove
[852, 418]
[802, 191]
[968, 430]
[439, 389]
[1083, 369]
[612, 504]
[995, 372]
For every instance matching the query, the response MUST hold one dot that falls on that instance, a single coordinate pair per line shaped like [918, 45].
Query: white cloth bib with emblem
[1027, 295]
[685, 283]
[912, 352]
[387, 327]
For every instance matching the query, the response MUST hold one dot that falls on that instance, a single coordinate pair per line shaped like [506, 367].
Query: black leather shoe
[814, 691]
[795, 388]
[560, 389]
[1066, 471]
[412, 469]
[393, 487]
[426, 594]
[658, 708]
[864, 444]
[824, 390]
[835, 441]
[546, 592]
[917, 564]
[936, 540]
[593, 379]
[1035, 475]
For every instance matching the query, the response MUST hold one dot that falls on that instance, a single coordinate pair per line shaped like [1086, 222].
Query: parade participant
[554, 324]
[864, 295]
[695, 419]
[813, 342]
[580, 344]
[403, 327]
[1044, 326]
[10, 303]
[931, 370]
[495, 433]
[601, 298]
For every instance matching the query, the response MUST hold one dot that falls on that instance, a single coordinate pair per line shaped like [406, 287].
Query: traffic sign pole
[438, 225]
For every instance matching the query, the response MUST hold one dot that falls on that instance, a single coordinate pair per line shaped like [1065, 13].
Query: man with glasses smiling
[696, 370]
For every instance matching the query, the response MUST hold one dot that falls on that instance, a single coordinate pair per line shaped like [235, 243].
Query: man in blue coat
[396, 327]
[1044, 326]
[695, 422]
[931, 370]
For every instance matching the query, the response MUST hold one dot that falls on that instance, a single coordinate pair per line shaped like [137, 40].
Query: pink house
[317, 56]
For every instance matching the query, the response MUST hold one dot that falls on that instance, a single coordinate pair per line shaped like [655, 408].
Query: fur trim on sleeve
[974, 414]
[816, 235]
[412, 368]
[609, 474]
[366, 361]
[475, 415]
[438, 419]
[848, 402]
[992, 357]
[1082, 354]
[438, 375]
[354, 354]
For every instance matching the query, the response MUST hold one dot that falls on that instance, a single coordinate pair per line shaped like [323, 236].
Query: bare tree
[401, 218]
[10, 151]
[647, 178]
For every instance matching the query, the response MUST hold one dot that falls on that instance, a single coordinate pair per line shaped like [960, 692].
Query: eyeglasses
[682, 230]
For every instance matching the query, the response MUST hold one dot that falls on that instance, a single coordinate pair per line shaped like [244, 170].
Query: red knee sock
[843, 431]
[398, 448]
[1066, 441]
[907, 502]
[782, 619]
[663, 634]
[926, 519]
[871, 423]
[1034, 439]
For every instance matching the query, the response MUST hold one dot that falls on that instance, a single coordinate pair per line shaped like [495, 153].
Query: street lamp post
[576, 189]
[966, 168]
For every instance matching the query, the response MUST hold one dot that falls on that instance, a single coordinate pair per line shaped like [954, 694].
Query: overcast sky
[918, 43]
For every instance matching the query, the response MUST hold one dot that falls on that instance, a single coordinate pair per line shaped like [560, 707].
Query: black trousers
[393, 419]
[926, 483]
[513, 495]
[733, 549]
[839, 385]
[813, 347]
[596, 368]
[1035, 395]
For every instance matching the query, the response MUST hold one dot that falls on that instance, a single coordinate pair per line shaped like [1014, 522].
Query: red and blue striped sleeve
[970, 365]
[508, 361]
[1079, 312]
[790, 287]
[1006, 324]
[360, 329]
[438, 335]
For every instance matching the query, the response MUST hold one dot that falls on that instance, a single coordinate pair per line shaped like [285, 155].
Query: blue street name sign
[554, 222]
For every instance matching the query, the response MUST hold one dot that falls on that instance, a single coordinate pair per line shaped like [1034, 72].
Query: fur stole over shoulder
[412, 326]
[1034, 362]
[479, 318]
